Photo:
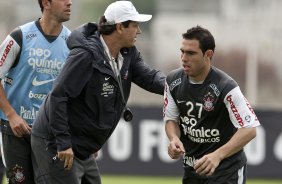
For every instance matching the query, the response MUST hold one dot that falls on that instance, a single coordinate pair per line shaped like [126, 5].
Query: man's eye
[189, 53]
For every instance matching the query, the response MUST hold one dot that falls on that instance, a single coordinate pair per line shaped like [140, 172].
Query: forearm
[172, 130]
[175, 147]
[241, 138]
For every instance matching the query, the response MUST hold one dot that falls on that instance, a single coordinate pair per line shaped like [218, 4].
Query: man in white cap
[90, 94]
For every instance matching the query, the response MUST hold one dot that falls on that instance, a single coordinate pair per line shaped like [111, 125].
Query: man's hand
[207, 164]
[66, 156]
[175, 149]
[19, 126]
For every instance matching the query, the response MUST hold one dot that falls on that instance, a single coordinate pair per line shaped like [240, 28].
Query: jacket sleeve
[146, 77]
[69, 84]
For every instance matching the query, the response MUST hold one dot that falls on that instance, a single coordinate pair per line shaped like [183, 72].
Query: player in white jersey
[31, 57]
[208, 120]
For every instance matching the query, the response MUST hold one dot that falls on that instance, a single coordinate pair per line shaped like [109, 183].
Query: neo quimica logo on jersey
[199, 135]
[40, 60]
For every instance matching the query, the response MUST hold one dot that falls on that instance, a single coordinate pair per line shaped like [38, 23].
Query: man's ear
[209, 54]
[46, 3]
[119, 27]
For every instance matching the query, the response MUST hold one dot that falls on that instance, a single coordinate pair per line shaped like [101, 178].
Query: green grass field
[111, 179]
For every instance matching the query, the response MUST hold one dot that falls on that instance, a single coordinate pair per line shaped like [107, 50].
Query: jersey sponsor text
[36, 95]
[174, 84]
[31, 35]
[199, 135]
[28, 114]
[189, 161]
[235, 111]
[39, 61]
[6, 52]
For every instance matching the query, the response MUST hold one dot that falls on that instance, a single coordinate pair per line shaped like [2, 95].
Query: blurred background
[248, 47]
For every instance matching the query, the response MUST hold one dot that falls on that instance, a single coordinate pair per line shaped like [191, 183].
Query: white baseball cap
[121, 11]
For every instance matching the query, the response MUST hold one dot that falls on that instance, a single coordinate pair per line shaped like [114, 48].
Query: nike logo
[180, 101]
[107, 78]
[35, 82]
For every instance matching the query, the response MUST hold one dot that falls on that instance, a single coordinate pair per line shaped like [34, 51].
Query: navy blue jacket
[85, 105]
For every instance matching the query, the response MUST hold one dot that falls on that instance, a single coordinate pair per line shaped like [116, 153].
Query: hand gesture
[66, 156]
[207, 164]
[19, 126]
[175, 149]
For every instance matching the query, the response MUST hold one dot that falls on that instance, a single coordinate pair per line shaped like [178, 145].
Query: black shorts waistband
[6, 128]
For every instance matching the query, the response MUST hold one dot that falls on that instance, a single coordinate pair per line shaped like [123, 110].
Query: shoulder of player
[221, 81]
[222, 78]
[176, 73]
[16, 35]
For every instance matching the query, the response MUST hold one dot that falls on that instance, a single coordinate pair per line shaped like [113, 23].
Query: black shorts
[237, 177]
[17, 156]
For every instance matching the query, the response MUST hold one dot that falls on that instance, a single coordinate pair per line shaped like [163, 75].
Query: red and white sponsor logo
[235, 111]
[6, 52]
[251, 109]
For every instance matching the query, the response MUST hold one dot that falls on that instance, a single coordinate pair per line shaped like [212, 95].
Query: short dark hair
[205, 38]
[41, 5]
[109, 29]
